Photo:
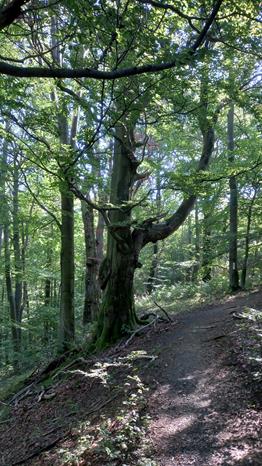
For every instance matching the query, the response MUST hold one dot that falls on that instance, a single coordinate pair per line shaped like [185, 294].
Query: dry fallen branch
[3, 403]
[23, 393]
[216, 338]
[237, 316]
[164, 311]
[72, 363]
[138, 330]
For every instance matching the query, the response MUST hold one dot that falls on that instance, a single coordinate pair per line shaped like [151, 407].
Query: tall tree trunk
[233, 206]
[11, 297]
[67, 138]
[25, 294]
[92, 291]
[47, 292]
[100, 237]
[103, 198]
[17, 246]
[67, 317]
[1, 235]
[206, 258]
[153, 268]
[154, 262]
[117, 270]
[196, 265]
[247, 240]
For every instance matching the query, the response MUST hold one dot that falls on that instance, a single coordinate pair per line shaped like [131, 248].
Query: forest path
[202, 411]
[202, 407]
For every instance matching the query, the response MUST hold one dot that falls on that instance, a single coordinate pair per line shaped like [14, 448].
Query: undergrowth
[250, 324]
[120, 438]
[183, 296]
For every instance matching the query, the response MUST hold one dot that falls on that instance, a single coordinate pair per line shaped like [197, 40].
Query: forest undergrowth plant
[250, 324]
[121, 437]
[181, 296]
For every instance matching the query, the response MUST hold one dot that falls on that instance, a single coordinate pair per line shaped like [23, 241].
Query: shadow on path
[203, 412]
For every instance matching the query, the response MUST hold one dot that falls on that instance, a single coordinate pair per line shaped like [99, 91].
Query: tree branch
[160, 231]
[42, 206]
[167, 6]
[60, 73]
[11, 12]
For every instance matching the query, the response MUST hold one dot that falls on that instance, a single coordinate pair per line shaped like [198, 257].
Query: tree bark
[47, 291]
[67, 318]
[206, 258]
[154, 262]
[196, 265]
[92, 291]
[10, 296]
[25, 295]
[67, 139]
[153, 269]
[100, 238]
[117, 313]
[247, 240]
[233, 207]
[17, 247]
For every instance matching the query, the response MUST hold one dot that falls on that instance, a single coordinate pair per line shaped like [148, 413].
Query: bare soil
[204, 406]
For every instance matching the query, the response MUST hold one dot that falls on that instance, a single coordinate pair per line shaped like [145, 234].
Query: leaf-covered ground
[183, 393]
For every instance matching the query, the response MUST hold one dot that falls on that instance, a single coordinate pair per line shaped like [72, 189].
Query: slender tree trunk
[17, 248]
[67, 318]
[154, 262]
[25, 294]
[206, 258]
[11, 297]
[92, 291]
[100, 238]
[56, 295]
[1, 236]
[247, 240]
[67, 138]
[47, 294]
[196, 265]
[100, 227]
[153, 268]
[233, 207]
[3, 203]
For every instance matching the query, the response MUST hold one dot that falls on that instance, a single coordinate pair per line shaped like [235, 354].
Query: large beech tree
[113, 41]
[124, 242]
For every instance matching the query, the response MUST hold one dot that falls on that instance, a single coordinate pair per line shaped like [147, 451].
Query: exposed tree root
[42, 449]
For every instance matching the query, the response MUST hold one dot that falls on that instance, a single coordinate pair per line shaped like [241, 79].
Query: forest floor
[183, 393]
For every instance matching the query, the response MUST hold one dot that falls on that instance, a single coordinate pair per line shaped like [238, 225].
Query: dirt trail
[203, 411]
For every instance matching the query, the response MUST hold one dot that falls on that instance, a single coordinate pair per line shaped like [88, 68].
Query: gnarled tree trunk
[117, 313]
